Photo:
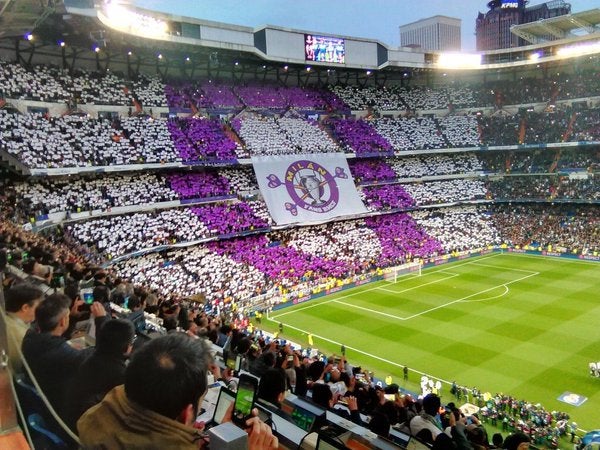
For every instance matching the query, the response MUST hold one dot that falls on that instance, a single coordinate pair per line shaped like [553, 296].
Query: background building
[493, 28]
[435, 33]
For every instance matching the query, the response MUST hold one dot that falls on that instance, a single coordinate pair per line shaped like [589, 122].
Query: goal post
[391, 274]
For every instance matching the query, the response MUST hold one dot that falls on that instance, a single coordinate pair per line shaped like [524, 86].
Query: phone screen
[244, 400]
[88, 296]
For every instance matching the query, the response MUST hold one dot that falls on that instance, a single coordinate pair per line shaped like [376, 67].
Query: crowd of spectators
[74, 194]
[43, 142]
[431, 165]
[371, 170]
[193, 271]
[563, 228]
[386, 197]
[52, 84]
[229, 271]
[351, 241]
[550, 187]
[77, 194]
[360, 137]
[116, 235]
[448, 191]
[544, 427]
[269, 135]
[396, 98]
[401, 239]
[460, 228]
[410, 133]
[202, 139]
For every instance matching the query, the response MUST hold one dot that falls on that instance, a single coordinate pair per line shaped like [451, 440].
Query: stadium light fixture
[308, 69]
[29, 37]
[459, 61]
[535, 56]
[578, 50]
[236, 63]
[129, 53]
[368, 72]
[160, 56]
[121, 18]
[97, 49]
[285, 67]
[62, 43]
[187, 58]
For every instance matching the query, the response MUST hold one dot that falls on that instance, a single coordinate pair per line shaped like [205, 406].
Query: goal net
[392, 274]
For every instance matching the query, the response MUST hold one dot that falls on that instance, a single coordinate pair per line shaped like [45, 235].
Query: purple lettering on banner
[590, 257]
[361, 282]
[302, 299]
[334, 289]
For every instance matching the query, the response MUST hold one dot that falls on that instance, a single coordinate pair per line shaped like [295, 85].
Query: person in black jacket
[103, 370]
[52, 360]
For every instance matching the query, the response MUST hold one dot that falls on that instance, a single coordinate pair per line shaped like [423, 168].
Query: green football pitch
[522, 325]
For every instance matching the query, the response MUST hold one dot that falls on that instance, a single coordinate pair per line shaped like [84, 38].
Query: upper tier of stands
[42, 142]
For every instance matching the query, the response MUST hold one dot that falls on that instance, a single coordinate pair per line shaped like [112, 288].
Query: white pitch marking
[469, 296]
[475, 263]
[493, 255]
[418, 286]
[506, 291]
[370, 355]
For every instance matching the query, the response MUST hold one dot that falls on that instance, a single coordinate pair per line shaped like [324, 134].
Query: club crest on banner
[310, 186]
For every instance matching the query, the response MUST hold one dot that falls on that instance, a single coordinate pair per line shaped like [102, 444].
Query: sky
[374, 19]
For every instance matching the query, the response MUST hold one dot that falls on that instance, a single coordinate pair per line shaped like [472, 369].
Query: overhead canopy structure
[18, 17]
[561, 27]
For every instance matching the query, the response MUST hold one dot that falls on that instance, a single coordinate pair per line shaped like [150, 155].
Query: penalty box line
[441, 269]
[381, 313]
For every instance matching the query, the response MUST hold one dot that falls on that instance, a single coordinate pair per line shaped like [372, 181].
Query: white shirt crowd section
[118, 235]
[427, 165]
[38, 85]
[432, 99]
[285, 135]
[52, 84]
[460, 228]
[410, 134]
[385, 99]
[347, 241]
[241, 180]
[194, 270]
[150, 91]
[78, 141]
[460, 131]
[260, 210]
[396, 98]
[85, 194]
[437, 192]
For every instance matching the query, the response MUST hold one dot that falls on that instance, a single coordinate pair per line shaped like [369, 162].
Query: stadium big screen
[324, 49]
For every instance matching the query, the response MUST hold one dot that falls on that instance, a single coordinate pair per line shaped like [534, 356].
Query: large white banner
[307, 188]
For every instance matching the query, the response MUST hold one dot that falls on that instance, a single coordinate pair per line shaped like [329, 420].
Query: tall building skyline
[436, 33]
[492, 29]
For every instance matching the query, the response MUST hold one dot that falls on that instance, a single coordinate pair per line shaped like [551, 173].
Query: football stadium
[229, 237]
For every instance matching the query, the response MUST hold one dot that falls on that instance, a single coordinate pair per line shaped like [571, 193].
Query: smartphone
[290, 358]
[88, 295]
[244, 399]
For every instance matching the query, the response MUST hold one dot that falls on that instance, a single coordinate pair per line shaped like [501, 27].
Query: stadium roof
[561, 27]
[18, 17]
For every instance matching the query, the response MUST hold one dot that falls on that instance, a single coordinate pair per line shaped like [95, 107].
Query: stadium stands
[227, 250]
